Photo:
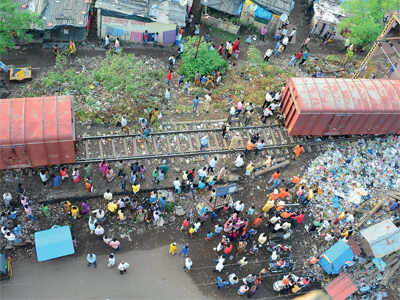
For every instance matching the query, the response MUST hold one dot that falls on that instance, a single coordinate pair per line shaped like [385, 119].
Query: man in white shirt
[177, 185]
[274, 219]
[188, 264]
[202, 173]
[286, 226]
[99, 230]
[212, 164]
[108, 195]
[239, 162]
[273, 106]
[239, 206]
[7, 197]
[124, 125]
[123, 267]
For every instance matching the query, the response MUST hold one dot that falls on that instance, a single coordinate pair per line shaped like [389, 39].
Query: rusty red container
[339, 106]
[36, 132]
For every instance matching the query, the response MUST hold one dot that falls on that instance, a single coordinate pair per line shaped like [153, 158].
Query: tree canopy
[365, 19]
[207, 60]
[14, 24]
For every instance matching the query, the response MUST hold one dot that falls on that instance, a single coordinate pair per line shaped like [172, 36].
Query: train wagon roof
[36, 120]
[335, 95]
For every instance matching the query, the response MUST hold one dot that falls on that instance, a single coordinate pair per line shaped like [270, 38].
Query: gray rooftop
[277, 6]
[232, 7]
[59, 12]
[162, 11]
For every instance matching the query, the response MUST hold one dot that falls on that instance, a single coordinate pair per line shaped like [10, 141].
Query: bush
[207, 60]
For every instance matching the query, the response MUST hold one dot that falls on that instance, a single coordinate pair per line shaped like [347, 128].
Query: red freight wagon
[36, 132]
[338, 106]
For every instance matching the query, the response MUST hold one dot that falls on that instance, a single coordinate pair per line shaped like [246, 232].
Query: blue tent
[53, 243]
[336, 257]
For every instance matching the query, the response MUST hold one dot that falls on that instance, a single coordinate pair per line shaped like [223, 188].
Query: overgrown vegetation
[15, 23]
[119, 85]
[206, 62]
[364, 19]
[221, 35]
[253, 81]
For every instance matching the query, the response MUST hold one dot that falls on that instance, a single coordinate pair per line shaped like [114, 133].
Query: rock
[179, 211]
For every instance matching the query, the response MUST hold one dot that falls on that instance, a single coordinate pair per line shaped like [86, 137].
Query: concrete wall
[218, 23]
[132, 30]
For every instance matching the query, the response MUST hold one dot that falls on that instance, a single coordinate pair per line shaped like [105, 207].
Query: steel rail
[175, 132]
[211, 152]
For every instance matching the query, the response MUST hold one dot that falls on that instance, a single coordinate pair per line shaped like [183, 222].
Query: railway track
[182, 139]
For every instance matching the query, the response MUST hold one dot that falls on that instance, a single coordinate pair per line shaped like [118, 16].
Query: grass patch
[220, 34]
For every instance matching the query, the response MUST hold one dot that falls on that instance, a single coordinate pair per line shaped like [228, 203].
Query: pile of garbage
[348, 174]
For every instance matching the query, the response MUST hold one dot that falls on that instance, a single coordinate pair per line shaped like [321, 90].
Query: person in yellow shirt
[172, 248]
[249, 169]
[121, 215]
[310, 195]
[74, 211]
[268, 205]
[191, 231]
[135, 188]
[72, 47]
[112, 206]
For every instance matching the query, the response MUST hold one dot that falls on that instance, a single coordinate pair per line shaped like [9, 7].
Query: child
[209, 236]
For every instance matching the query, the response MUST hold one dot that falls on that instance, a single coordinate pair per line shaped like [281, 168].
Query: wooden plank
[125, 146]
[191, 143]
[135, 147]
[113, 148]
[87, 149]
[101, 148]
[282, 136]
[156, 149]
[214, 136]
[272, 135]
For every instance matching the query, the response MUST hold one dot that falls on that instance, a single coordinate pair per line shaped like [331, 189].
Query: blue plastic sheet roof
[336, 257]
[53, 243]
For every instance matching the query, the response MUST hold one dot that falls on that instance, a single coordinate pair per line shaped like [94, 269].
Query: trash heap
[361, 177]
[349, 174]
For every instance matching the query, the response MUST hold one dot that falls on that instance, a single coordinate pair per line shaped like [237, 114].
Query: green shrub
[206, 62]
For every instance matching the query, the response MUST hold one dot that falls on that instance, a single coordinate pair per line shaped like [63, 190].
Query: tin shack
[36, 132]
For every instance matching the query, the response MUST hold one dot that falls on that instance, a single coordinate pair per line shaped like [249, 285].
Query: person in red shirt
[228, 249]
[236, 45]
[274, 176]
[169, 77]
[257, 221]
[185, 224]
[299, 55]
[299, 218]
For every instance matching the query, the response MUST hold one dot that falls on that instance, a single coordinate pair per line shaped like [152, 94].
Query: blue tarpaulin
[53, 243]
[225, 190]
[263, 14]
[337, 256]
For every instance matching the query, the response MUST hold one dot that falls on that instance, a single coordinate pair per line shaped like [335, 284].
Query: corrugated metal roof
[167, 12]
[127, 7]
[327, 95]
[341, 287]
[232, 7]
[276, 6]
[59, 12]
[383, 238]
[35, 120]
